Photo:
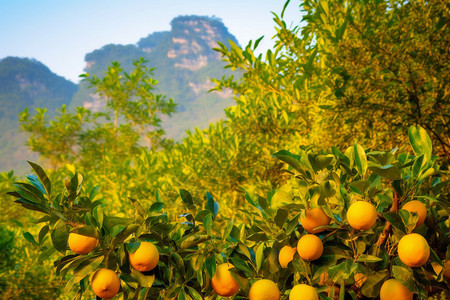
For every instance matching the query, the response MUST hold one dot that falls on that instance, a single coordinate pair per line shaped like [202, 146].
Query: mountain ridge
[184, 64]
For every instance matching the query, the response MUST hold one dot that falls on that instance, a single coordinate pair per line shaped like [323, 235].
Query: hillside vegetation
[26, 83]
[185, 64]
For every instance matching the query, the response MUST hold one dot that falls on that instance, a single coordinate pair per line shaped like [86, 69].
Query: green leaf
[86, 231]
[194, 240]
[132, 247]
[368, 258]
[212, 205]
[259, 256]
[178, 262]
[31, 190]
[42, 233]
[194, 294]
[418, 164]
[211, 265]
[427, 173]
[342, 271]
[59, 236]
[372, 285]
[87, 266]
[42, 176]
[360, 186]
[124, 234]
[284, 8]
[249, 199]
[34, 180]
[404, 274]
[139, 210]
[156, 206]
[323, 161]
[228, 229]
[360, 159]
[158, 196]
[207, 223]
[420, 141]
[181, 295]
[389, 171]
[186, 197]
[301, 267]
[281, 217]
[30, 238]
[31, 205]
[144, 280]
[75, 186]
[291, 159]
[395, 220]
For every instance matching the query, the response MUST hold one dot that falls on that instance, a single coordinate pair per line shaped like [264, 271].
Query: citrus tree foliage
[129, 117]
[20, 275]
[192, 244]
[354, 69]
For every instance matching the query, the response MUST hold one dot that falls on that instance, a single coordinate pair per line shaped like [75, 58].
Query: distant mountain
[26, 83]
[184, 62]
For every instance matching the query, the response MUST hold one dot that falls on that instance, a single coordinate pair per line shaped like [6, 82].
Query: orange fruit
[447, 270]
[361, 215]
[81, 244]
[303, 292]
[419, 208]
[286, 255]
[310, 247]
[413, 250]
[264, 289]
[223, 283]
[105, 283]
[314, 218]
[392, 289]
[145, 258]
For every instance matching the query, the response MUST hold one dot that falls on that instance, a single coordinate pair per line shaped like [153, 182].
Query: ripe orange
[105, 283]
[303, 292]
[223, 283]
[310, 247]
[264, 289]
[145, 258]
[392, 289]
[361, 215]
[419, 208]
[447, 270]
[81, 244]
[413, 250]
[286, 255]
[314, 218]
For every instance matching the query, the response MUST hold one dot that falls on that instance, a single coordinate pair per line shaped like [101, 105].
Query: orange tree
[347, 260]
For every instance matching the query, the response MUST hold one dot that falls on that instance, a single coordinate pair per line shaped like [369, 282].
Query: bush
[191, 246]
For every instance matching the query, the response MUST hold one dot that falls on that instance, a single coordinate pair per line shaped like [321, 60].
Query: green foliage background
[351, 71]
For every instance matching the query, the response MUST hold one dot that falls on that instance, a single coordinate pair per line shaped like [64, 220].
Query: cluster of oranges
[105, 282]
[413, 251]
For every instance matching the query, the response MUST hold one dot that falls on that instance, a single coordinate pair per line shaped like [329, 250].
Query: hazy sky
[60, 32]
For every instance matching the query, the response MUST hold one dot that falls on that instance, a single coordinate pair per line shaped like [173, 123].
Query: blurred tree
[132, 111]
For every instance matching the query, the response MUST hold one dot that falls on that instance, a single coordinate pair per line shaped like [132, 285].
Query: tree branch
[387, 229]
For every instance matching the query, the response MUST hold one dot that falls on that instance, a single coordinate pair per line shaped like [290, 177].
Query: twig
[387, 229]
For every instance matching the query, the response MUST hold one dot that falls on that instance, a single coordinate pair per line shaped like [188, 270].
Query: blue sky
[60, 32]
